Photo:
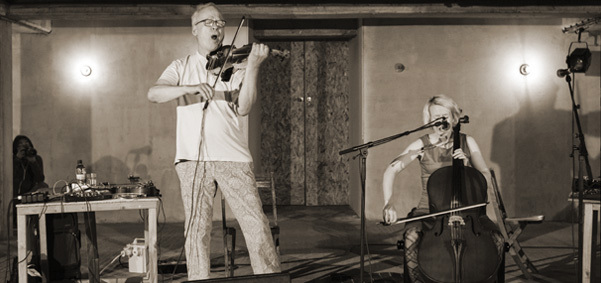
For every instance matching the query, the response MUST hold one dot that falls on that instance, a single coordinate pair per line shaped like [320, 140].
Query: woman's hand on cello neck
[459, 154]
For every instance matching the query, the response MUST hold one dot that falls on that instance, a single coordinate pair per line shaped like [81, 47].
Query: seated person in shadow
[28, 177]
[28, 167]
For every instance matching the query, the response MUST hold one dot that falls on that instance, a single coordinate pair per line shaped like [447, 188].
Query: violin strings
[229, 51]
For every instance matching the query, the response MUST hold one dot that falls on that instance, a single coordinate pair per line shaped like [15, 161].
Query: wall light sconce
[85, 70]
[524, 69]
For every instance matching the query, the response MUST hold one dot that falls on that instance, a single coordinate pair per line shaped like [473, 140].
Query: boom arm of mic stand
[363, 154]
[387, 139]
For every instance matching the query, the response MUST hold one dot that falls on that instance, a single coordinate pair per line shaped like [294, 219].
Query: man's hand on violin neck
[258, 54]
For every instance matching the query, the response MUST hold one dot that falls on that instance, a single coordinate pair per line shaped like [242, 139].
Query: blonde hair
[446, 102]
[201, 7]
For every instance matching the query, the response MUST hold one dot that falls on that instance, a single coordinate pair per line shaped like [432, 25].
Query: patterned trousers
[236, 181]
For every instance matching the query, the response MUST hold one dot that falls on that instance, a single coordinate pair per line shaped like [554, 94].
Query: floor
[322, 244]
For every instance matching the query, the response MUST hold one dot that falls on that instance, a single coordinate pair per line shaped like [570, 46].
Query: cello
[459, 247]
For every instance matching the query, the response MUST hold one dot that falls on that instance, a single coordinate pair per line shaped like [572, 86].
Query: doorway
[305, 121]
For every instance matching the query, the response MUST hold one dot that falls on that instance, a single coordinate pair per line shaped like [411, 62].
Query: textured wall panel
[305, 123]
[327, 130]
[275, 96]
[314, 92]
[297, 122]
[333, 128]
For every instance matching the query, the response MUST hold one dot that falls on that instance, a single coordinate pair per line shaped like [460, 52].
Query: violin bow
[227, 57]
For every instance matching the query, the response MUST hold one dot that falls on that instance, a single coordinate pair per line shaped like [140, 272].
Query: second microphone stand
[583, 161]
[363, 151]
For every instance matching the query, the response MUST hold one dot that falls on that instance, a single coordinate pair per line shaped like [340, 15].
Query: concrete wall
[6, 120]
[521, 123]
[104, 119]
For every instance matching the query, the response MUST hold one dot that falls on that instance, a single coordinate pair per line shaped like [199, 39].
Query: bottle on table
[80, 173]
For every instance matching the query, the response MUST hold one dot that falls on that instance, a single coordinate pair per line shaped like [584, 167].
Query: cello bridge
[456, 220]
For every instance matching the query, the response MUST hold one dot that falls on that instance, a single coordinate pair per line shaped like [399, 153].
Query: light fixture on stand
[578, 62]
[580, 59]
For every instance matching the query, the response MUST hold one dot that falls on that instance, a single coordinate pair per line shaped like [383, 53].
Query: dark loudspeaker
[64, 242]
[262, 278]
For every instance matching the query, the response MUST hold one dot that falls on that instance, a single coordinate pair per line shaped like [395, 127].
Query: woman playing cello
[434, 151]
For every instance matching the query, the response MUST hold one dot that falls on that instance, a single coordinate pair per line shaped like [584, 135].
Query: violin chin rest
[241, 65]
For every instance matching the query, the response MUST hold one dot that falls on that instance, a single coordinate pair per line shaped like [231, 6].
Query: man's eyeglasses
[211, 22]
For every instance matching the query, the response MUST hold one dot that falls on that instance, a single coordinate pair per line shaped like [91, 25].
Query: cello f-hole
[471, 219]
[442, 221]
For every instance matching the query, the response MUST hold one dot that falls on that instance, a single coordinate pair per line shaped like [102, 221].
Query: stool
[400, 245]
[511, 228]
[268, 183]
[229, 233]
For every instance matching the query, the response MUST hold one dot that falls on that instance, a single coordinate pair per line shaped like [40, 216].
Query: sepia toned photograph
[300, 141]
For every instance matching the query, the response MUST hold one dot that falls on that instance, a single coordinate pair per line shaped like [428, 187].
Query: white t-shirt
[225, 135]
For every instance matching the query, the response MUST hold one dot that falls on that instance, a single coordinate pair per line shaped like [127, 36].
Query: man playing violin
[434, 151]
[211, 146]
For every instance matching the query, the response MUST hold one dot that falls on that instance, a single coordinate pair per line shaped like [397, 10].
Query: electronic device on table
[592, 189]
[135, 189]
[84, 192]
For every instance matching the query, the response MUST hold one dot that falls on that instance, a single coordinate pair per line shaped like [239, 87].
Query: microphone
[563, 72]
[444, 123]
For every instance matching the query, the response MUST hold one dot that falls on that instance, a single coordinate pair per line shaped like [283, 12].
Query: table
[589, 237]
[150, 205]
[590, 229]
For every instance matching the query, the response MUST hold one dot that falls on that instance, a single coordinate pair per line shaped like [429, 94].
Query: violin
[218, 59]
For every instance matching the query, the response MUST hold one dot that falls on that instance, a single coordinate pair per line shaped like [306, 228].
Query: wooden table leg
[43, 235]
[595, 232]
[151, 239]
[22, 246]
[588, 234]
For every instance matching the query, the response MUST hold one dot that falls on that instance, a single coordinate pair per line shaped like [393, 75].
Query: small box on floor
[138, 258]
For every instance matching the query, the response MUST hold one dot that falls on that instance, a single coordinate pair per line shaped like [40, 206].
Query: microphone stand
[363, 151]
[582, 158]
